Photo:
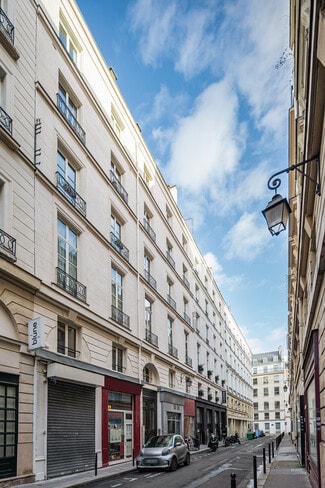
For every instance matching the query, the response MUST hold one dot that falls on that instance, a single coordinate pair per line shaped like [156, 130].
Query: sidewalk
[284, 470]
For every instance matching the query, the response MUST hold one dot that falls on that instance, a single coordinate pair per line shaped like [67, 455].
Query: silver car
[163, 452]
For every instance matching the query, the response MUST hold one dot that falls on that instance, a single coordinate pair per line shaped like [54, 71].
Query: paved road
[207, 469]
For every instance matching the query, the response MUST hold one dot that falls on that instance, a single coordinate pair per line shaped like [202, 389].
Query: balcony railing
[118, 367]
[120, 317]
[150, 279]
[170, 259]
[188, 361]
[70, 193]
[187, 318]
[71, 285]
[5, 121]
[8, 244]
[6, 26]
[151, 233]
[119, 246]
[186, 282]
[173, 351]
[171, 302]
[70, 118]
[151, 337]
[118, 186]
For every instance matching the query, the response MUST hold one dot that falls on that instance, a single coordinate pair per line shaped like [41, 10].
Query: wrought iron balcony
[119, 246]
[120, 317]
[150, 279]
[187, 318]
[71, 285]
[149, 230]
[6, 26]
[118, 186]
[118, 367]
[172, 351]
[171, 302]
[70, 118]
[7, 246]
[5, 121]
[170, 259]
[70, 193]
[188, 361]
[186, 282]
[151, 337]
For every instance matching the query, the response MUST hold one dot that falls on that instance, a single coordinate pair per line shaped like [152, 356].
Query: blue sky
[209, 82]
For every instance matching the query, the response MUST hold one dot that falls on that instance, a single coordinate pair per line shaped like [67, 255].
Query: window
[276, 390]
[278, 426]
[69, 110]
[174, 424]
[117, 358]
[255, 392]
[255, 416]
[5, 120]
[254, 381]
[207, 334]
[267, 427]
[170, 331]
[115, 228]
[66, 339]
[147, 176]
[117, 289]
[148, 313]
[116, 123]
[276, 378]
[255, 405]
[116, 180]
[265, 391]
[67, 42]
[277, 405]
[277, 416]
[266, 416]
[265, 379]
[169, 254]
[171, 379]
[67, 249]
[266, 406]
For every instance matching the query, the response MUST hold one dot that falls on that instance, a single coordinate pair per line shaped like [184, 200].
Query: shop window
[173, 423]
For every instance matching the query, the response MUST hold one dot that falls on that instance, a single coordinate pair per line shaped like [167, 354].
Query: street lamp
[278, 209]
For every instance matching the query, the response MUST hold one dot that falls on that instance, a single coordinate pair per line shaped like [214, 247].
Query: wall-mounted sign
[36, 333]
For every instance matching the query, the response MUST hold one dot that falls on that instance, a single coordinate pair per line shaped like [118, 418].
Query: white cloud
[245, 240]
[226, 282]
[206, 145]
[270, 340]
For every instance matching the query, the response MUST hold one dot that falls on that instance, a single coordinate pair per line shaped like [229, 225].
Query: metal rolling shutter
[71, 428]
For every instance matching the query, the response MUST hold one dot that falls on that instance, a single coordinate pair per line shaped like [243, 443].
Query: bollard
[96, 463]
[269, 452]
[133, 457]
[233, 480]
[272, 449]
[255, 471]
[264, 461]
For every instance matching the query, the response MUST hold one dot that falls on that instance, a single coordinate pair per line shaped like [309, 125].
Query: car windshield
[160, 441]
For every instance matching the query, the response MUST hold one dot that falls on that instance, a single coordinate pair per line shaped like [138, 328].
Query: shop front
[172, 412]
[209, 418]
[121, 420]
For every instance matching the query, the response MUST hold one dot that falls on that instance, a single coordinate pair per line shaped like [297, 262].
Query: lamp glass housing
[276, 214]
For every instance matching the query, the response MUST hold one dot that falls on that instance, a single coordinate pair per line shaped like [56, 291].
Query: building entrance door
[149, 413]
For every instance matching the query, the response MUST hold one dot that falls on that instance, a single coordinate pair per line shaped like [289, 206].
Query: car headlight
[165, 451]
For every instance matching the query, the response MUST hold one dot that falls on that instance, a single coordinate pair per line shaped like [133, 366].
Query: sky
[209, 82]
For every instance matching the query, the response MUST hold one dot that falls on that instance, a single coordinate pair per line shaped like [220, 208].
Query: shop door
[120, 428]
[71, 428]
[149, 414]
[8, 425]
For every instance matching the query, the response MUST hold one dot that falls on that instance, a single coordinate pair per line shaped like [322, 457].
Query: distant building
[270, 392]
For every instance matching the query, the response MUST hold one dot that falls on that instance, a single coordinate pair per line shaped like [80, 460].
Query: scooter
[213, 442]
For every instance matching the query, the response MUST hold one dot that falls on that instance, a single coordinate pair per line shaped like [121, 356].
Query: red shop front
[120, 420]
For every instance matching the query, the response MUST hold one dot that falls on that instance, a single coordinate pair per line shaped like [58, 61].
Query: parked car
[163, 452]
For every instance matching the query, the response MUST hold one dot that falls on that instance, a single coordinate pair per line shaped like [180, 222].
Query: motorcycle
[232, 439]
[213, 442]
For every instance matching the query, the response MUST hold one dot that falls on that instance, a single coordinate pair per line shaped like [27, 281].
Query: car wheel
[187, 459]
[173, 464]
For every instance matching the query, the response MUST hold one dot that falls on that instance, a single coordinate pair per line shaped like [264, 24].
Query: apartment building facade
[270, 393]
[307, 237]
[112, 327]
